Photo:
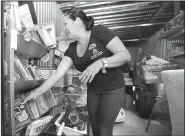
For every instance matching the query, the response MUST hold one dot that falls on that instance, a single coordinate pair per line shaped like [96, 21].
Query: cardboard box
[42, 104]
[36, 127]
[151, 74]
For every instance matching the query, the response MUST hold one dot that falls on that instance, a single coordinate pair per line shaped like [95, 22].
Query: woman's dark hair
[87, 20]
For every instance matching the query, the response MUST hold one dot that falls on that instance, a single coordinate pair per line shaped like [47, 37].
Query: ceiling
[132, 21]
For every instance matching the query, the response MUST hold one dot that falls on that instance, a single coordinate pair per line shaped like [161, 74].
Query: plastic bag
[153, 60]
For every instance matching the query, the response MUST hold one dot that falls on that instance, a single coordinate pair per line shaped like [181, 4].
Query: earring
[77, 24]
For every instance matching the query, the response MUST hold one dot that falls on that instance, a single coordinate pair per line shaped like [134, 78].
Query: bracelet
[105, 64]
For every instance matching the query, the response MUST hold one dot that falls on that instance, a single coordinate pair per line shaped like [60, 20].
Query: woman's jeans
[103, 108]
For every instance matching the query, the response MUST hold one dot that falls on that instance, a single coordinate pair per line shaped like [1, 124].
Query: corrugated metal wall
[133, 52]
[154, 46]
[48, 12]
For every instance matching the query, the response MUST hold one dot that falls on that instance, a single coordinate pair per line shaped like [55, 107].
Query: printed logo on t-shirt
[96, 53]
[92, 46]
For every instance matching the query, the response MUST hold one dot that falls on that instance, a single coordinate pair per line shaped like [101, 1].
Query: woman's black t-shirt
[99, 38]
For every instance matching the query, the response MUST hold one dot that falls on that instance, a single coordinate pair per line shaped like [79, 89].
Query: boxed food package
[37, 126]
[151, 74]
[58, 94]
[22, 114]
[42, 104]
[33, 109]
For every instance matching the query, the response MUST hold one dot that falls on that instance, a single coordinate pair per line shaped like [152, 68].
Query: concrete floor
[134, 125]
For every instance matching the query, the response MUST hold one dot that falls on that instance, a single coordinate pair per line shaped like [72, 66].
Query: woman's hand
[32, 96]
[91, 71]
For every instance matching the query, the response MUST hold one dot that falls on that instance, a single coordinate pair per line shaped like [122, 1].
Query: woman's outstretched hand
[32, 96]
[91, 71]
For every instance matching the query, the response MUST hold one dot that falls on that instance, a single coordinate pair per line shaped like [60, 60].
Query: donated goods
[22, 115]
[153, 60]
[25, 16]
[71, 123]
[156, 61]
[75, 95]
[58, 94]
[121, 116]
[151, 73]
[72, 89]
[42, 104]
[152, 66]
[33, 107]
[36, 127]
[176, 21]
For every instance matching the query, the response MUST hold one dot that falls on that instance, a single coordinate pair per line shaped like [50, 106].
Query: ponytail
[90, 23]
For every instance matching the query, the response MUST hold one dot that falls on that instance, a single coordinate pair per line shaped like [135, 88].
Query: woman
[97, 52]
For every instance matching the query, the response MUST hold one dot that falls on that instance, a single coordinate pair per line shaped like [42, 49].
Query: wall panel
[48, 12]
[154, 46]
[133, 52]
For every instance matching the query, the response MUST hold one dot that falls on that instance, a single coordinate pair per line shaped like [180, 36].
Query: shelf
[24, 128]
[21, 128]
[178, 35]
[173, 33]
[27, 85]
[177, 44]
[31, 49]
[67, 94]
[176, 54]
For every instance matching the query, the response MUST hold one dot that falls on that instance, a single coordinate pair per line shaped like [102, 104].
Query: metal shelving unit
[176, 54]
[175, 33]
[29, 49]
[25, 85]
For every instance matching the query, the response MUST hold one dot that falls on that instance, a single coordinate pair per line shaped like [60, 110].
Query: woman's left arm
[120, 53]
[119, 57]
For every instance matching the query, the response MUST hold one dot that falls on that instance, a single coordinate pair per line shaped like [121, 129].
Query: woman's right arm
[62, 69]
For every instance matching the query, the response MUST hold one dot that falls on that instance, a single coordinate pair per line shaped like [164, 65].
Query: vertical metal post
[11, 95]
[2, 129]
[9, 57]
[51, 57]
[176, 8]
[10, 60]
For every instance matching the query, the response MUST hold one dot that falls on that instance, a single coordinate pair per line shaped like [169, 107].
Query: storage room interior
[34, 41]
